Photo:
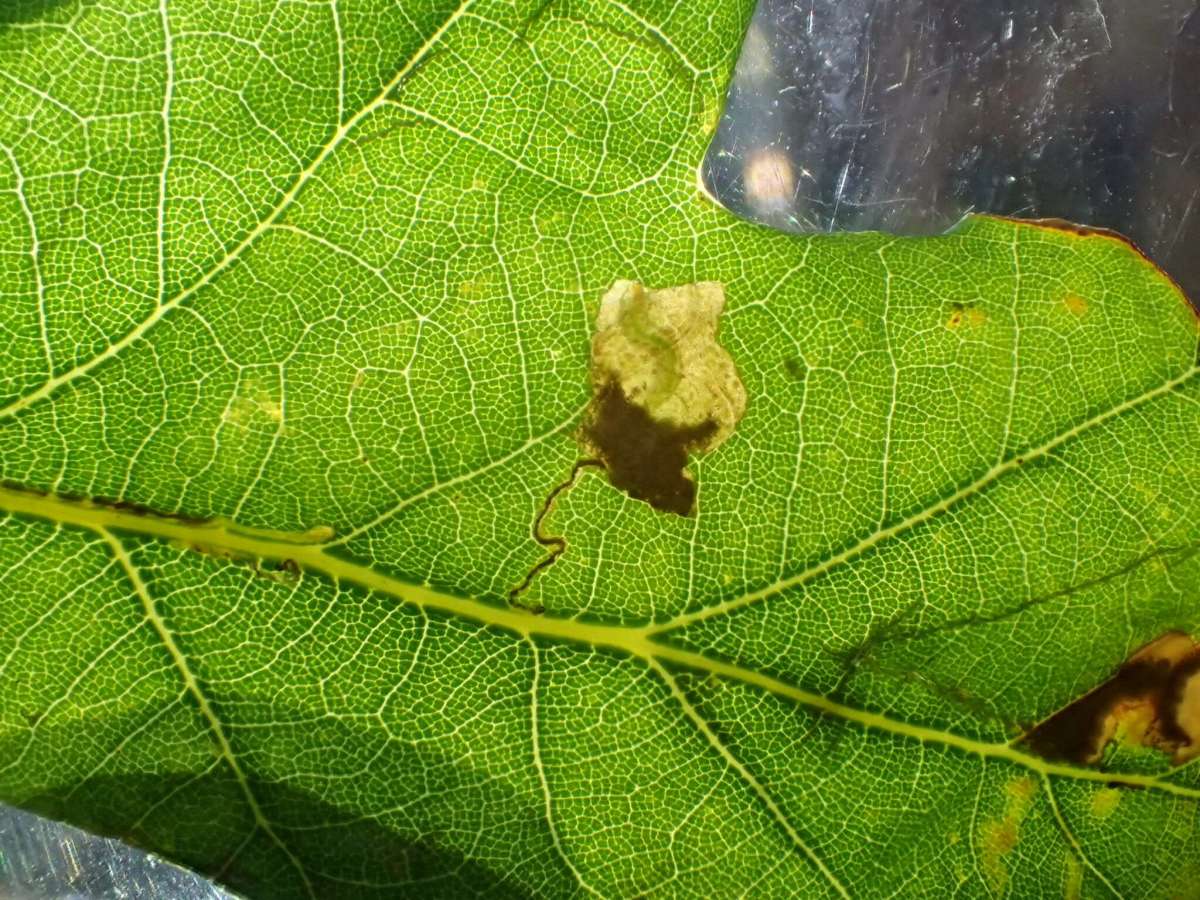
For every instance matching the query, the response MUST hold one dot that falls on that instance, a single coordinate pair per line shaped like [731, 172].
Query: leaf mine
[663, 387]
[1152, 701]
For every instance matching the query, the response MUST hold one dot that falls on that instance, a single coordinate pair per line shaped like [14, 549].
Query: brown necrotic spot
[1152, 701]
[663, 387]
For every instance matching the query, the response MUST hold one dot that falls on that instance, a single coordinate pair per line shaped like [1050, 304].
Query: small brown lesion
[795, 368]
[1153, 701]
[965, 315]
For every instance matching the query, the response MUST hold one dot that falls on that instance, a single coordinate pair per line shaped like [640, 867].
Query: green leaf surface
[297, 302]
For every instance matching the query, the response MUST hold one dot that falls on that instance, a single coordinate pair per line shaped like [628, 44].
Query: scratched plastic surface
[902, 115]
[42, 860]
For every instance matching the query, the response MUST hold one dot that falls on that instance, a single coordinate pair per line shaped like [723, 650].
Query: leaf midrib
[230, 539]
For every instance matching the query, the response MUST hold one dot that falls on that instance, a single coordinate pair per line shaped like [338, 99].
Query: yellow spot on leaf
[1073, 882]
[965, 317]
[998, 837]
[473, 288]
[1022, 791]
[253, 404]
[1075, 305]
[1131, 722]
[1104, 802]
[710, 116]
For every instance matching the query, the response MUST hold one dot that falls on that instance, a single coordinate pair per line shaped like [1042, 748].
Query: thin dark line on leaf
[893, 633]
[143, 327]
[1098, 489]
[881, 536]
[871, 720]
[745, 774]
[184, 668]
[1069, 835]
[556, 543]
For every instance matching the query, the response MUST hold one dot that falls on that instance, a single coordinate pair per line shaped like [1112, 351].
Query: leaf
[297, 320]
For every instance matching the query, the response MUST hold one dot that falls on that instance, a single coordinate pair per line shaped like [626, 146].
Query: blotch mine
[998, 837]
[1152, 701]
[662, 388]
[964, 315]
[1104, 802]
[1076, 305]
[644, 457]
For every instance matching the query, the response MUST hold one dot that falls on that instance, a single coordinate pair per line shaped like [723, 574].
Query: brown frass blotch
[644, 457]
[1153, 700]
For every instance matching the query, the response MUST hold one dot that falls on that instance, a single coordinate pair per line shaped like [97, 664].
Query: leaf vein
[140, 330]
[206, 710]
[920, 517]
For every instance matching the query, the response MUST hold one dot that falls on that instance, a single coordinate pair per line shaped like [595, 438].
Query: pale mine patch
[254, 401]
[1169, 719]
[660, 347]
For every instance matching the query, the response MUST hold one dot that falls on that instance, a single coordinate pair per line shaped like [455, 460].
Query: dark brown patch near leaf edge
[644, 457]
[1148, 694]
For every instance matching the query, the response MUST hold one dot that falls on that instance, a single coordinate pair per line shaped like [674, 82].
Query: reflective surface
[902, 115]
[40, 860]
